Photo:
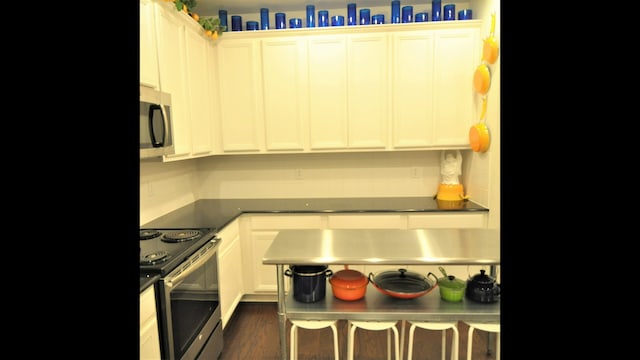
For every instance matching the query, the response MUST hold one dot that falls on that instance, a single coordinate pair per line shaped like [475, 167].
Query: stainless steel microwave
[156, 127]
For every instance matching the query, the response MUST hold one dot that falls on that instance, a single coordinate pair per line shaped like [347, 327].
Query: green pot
[451, 289]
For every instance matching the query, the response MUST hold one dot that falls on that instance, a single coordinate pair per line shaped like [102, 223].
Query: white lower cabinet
[263, 278]
[230, 270]
[149, 334]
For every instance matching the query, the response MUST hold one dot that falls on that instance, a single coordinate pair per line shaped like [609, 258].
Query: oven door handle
[192, 263]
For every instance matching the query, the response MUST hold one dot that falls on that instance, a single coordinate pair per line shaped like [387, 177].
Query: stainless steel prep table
[379, 247]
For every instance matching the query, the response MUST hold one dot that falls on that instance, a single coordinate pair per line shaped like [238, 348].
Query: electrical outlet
[415, 172]
[298, 174]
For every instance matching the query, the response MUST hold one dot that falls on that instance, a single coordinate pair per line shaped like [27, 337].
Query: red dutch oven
[403, 284]
[349, 284]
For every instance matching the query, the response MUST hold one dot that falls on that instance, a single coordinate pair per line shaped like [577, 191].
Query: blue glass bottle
[264, 19]
[323, 18]
[407, 14]
[377, 19]
[422, 17]
[365, 16]
[236, 23]
[449, 12]
[351, 14]
[252, 25]
[281, 20]
[311, 16]
[395, 12]
[436, 10]
[222, 14]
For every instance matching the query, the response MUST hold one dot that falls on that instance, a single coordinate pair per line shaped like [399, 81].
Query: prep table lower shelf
[381, 307]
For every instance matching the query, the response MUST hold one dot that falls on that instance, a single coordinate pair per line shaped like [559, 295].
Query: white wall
[165, 187]
[485, 167]
[380, 174]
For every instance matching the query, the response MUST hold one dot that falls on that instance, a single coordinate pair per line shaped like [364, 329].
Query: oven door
[190, 307]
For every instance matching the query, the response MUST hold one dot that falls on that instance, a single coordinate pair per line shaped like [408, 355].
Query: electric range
[162, 250]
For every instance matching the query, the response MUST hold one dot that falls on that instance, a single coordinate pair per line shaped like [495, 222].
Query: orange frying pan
[479, 137]
[482, 79]
[490, 47]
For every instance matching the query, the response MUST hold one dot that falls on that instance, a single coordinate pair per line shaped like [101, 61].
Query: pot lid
[348, 279]
[402, 281]
[452, 282]
[482, 279]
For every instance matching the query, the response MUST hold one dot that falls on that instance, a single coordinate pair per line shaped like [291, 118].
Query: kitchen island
[380, 247]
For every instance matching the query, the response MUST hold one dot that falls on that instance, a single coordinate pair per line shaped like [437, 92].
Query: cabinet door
[239, 76]
[149, 333]
[199, 96]
[413, 97]
[368, 90]
[328, 92]
[173, 76]
[453, 109]
[284, 65]
[264, 228]
[214, 99]
[148, 47]
[230, 279]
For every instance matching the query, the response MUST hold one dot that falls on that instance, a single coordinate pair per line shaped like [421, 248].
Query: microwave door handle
[154, 141]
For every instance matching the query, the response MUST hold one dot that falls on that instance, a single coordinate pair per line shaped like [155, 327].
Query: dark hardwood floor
[252, 333]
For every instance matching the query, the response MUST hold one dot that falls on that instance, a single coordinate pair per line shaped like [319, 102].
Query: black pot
[309, 281]
[482, 288]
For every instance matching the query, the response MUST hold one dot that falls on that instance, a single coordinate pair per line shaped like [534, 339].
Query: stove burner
[181, 235]
[154, 258]
[148, 234]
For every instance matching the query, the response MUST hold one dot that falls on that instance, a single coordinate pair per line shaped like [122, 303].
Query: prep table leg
[492, 273]
[282, 312]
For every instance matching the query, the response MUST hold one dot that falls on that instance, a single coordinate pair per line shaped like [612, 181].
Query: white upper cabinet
[368, 90]
[148, 48]
[241, 123]
[173, 75]
[185, 67]
[413, 99]
[284, 73]
[199, 91]
[432, 87]
[328, 92]
[453, 111]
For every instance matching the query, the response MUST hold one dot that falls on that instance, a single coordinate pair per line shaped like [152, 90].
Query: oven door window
[193, 301]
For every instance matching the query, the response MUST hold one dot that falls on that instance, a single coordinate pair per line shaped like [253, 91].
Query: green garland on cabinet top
[211, 25]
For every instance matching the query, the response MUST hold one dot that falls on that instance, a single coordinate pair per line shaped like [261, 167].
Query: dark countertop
[145, 282]
[217, 213]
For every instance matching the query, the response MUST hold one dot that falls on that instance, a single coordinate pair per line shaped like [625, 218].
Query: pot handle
[328, 273]
[435, 277]
[371, 279]
[287, 272]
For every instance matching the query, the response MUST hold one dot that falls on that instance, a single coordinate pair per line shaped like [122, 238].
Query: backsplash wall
[167, 186]
[320, 175]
